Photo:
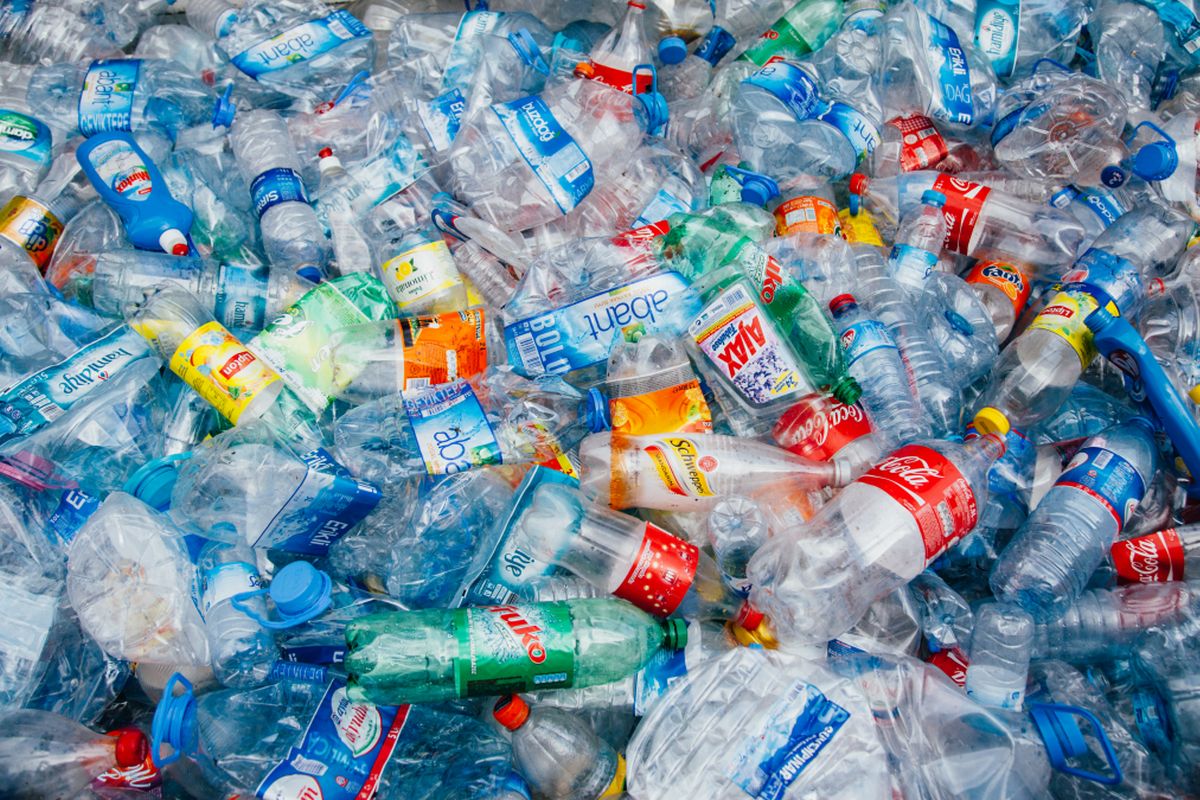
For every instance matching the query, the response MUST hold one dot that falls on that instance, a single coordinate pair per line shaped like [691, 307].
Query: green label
[507, 649]
[780, 41]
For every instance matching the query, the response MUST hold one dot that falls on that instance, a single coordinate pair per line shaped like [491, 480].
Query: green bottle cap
[676, 633]
[847, 390]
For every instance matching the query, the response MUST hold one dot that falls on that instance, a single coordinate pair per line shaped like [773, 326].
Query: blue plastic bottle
[128, 180]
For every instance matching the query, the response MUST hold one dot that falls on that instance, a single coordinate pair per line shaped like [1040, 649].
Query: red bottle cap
[325, 152]
[858, 183]
[132, 748]
[748, 617]
[841, 301]
[511, 711]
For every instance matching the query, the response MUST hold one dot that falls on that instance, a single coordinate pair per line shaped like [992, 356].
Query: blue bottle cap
[515, 783]
[757, 189]
[1113, 176]
[959, 323]
[154, 481]
[654, 110]
[299, 588]
[310, 273]
[597, 414]
[933, 198]
[224, 109]
[1156, 161]
[672, 50]
[1059, 728]
[174, 722]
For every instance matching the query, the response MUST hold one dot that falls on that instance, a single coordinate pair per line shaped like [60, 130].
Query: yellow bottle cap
[991, 420]
[1194, 394]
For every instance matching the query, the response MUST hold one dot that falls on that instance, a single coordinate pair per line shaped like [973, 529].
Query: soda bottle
[1157, 557]
[613, 58]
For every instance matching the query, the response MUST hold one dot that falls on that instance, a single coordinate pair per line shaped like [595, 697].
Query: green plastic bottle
[802, 30]
[440, 654]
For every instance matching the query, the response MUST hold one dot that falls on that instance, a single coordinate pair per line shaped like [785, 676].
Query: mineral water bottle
[614, 57]
[814, 582]
[293, 237]
[1065, 539]
[919, 240]
[440, 654]
[417, 267]
[559, 753]
[736, 529]
[27, 139]
[875, 362]
[1015, 38]
[999, 656]
[242, 650]
[1167, 555]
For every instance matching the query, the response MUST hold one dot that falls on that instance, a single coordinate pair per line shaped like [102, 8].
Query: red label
[638, 236]
[930, 488]
[369, 787]
[953, 662]
[921, 146]
[235, 365]
[964, 200]
[661, 574]
[817, 427]
[620, 79]
[1006, 277]
[1154, 558]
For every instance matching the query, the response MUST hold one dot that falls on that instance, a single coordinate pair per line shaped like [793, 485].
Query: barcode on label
[1102, 459]
[415, 383]
[570, 162]
[531, 359]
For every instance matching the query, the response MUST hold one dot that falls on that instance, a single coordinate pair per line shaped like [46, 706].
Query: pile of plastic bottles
[671, 399]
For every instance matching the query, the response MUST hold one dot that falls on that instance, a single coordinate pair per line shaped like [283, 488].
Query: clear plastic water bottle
[736, 529]
[999, 656]
[242, 651]
[1055, 552]
[919, 241]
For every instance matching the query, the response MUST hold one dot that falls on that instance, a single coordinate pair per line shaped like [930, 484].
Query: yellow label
[420, 273]
[29, 224]
[859, 228]
[693, 482]
[675, 409]
[618, 782]
[221, 369]
[550, 453]
[1064, 317]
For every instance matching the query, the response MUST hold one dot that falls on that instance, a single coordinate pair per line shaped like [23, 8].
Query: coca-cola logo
[814, 430]
[912, 470]
[1143, 559]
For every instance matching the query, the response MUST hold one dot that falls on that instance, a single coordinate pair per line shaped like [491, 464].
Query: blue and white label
[1107, 276]
[855, 126]
[662, 671]
[318, 654]
[441, 118]
[343, 752]
[1182, 21]
[791, 85]
[301, 43]
[241, 299]
[910, 265]
[997, 32]
[217, 584]
[38, 399]
[584, 333]
[24, 136]
[74, 508]
[553, 155]
[953, 76]
[1105, 205]
[106, 102]
[275, 186]
[1102, 474]
[865, 337]
[122, 169]
[451, 428]
[464, 52]
[323, 507]
[801, 725]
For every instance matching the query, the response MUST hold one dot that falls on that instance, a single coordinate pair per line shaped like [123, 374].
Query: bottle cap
[300, 587]
[1194, 394]
[1113, 176]
[174, 722]
[676, 633]
[846, 390]
[511, 711]
[757, 188]
[598, 418]
[959, 323]
[672, 50]
[1156, 161]
[858, 183]
[154, 481]
[748, 617]
[310, 273]
[132, 747]
[841, 302]
[932, 197]
[224, 109]
[993, 421]
[174, 241]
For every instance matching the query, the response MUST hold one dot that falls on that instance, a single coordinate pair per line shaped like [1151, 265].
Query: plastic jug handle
[1152, 126]
[283, 623]
[354, 83]
[527, 48]
[164, 728]
[1051, 716]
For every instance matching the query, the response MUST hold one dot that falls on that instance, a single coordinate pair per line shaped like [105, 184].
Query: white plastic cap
[174, 242]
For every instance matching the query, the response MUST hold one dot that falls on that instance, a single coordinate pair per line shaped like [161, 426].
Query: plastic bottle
[802, 29]
[736, 529]
[242, 651]
[414, 656]
[822, 429]
[919, 240]
[1049, 561]
[558, 753]
[27, 138]
[418, 268]
[653, 388]
[999, 656]
[1166, 555]
[614, 57]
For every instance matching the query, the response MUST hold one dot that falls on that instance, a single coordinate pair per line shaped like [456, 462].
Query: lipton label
[1064, 318]
[221, 370]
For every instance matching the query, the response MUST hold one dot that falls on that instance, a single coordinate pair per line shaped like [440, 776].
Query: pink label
[661, 574]
[930, 488]
[921, 146]
[1153, 558]
[964, 201]
[817, 427]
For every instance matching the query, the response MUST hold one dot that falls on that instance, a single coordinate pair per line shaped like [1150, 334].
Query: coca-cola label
[921, 146]
[953, 662]
[964, 202]
[818, 427]
[1107, 477]
[1154, 558]
[661, 573]
[932, 490]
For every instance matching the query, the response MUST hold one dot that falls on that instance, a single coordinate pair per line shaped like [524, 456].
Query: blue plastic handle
[354, 83]
[283, 623]
[527, 48]
[653, 103]
[1052, 716]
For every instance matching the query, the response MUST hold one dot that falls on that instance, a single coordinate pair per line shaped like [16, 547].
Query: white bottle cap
[174, 242]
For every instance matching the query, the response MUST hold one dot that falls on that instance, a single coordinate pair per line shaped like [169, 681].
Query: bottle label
[661, 573]
[555, 458]
[221, 370]
[865, 337]
[39, 399]
[219, 583]
[921, 145]
[275, 186]
[106, 102]
[28, 224]
[25, 136]
[910, 265]
[1154, 558]
[28, 619]
[120, 167]
[439, 349]
[742, 345]
[1064, 317]
[552, 153]
[997, 32]
[241, 300]
[583, 333]
[680, 466]
[930, 488]
[953, 75]
[464, 52]
[1006, 277]
[508, 649]
[327, 503]
[417, 274]
[807, 214]
[1100, 273]
[780, 41]
[451, 428]
[818, 427]
[1105, 205]
[620, 79]
[675, 409]
[954, 663]
[801, 724]
[441, 118]
[964, 203]
[74, 508]
[313, 654]
[343, 754]
[300, 43]
[859, 228]
[862, 134]
[791, 85]
[1107, 477]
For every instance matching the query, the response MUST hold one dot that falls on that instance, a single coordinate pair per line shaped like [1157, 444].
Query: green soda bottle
[802, 30]
[430, 655]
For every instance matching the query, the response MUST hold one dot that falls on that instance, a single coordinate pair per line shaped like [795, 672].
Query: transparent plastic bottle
[47, 754]
[919, 241]
[1171, 554]
[242, 650]
[736, 529]
[614, 57]
[999, 656]
[417, 268]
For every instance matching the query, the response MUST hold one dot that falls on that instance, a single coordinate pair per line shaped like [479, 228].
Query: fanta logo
[913, 470]
[1005, 275]
[236, 364]
[743, 345]
[523, 631]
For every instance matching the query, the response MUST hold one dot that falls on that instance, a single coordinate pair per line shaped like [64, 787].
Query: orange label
[440, 348]
[675, 409]
[807, 214]
[1006, 277]
[29, 224]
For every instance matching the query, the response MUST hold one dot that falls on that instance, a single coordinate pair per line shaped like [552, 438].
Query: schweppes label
[680, 467]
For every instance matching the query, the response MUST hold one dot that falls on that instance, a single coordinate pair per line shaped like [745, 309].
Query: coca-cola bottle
[614, 57]
[880, 532]
[821, 428]
[1172, 554]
